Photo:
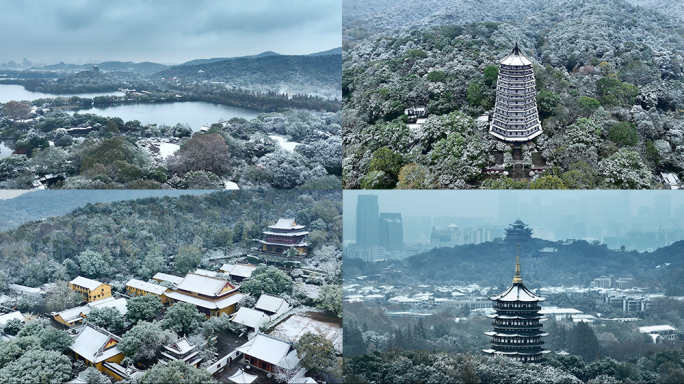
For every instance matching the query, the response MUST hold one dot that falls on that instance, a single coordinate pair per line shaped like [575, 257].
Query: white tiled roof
[656, 328]
[209, 304]
[167, 277]
[517, 292]
[271, 350]
[208, 286]
[9, 316]
[286, 224]
[204, 272]
[516, 57]
[270, 303]
[250, 317]
[147, 287]
[89, 342]
[85, 282]
[242, 270]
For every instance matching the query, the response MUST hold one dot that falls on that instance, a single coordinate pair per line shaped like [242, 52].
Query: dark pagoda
[516, 118]
[517, 329]
[518, 232]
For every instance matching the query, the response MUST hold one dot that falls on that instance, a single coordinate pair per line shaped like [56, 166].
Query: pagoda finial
[517, 279]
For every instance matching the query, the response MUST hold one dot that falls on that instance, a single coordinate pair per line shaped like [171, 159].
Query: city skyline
[597, 215]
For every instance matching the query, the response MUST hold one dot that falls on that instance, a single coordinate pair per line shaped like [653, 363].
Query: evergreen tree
[583, 342]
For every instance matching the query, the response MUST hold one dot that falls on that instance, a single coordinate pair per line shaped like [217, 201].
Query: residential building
[602, 282]
[660, 332]
[91, 290]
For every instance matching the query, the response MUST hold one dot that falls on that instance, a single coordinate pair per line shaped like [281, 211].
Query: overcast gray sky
[169, 31]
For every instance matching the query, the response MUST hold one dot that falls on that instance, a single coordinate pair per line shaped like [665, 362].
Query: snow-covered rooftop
[166, 277]
[204, 272]
[270, 303]
[147, 287]
[656, 328]
[204, 285]
[250, 318]
[242, 270]
[517, 292]
[90, 343]
[516, 57]
[209, 304]
[86, 283]
[286, 224]
[10, 316]
[271, 350]
[296, 326]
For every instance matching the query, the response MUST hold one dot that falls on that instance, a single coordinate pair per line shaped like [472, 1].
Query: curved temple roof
[517, 292]
[516, 57]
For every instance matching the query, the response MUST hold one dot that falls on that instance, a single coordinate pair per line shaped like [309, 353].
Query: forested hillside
[32, 206]
[318, 75]
[610, 93]
[142, 237]
[492, 264]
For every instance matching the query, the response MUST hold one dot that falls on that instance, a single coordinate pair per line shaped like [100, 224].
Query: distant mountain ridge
[334, 51]
[271, 72]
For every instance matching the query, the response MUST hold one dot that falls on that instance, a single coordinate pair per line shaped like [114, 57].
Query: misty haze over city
[635, 219]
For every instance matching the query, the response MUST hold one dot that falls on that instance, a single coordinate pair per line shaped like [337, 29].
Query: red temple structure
[283, 236]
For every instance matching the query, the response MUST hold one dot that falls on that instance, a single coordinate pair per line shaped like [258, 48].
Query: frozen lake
[194, 113]
[17, 92]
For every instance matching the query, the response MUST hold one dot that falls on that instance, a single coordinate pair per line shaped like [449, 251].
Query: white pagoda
[516, 118]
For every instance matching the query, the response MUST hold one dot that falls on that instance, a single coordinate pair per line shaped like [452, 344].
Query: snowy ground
[231, 185]
[168, 149]
[287, 145]
[297, 325]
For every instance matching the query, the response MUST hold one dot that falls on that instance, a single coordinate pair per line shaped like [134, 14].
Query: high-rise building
[367, 220]
[516, 117]
[391, 232]
[517, 328]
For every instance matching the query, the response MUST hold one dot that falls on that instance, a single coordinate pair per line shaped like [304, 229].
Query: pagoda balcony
[515, 127]
[501, 112]
[516, 327]
[516, 306]
[525, 348]
[517, 68]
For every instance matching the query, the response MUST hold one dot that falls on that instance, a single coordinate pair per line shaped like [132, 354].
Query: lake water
[17, 92]
[4, 151]
[194, 113]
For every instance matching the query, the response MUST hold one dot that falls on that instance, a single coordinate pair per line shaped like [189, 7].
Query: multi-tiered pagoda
[283, 236]
[515, 113]
[517, 329]
[518, 232]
